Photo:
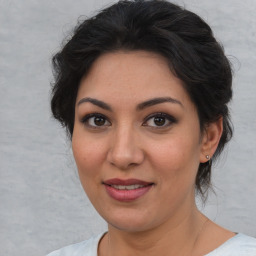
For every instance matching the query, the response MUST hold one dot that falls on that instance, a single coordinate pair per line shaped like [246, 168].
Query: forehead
[131, 75]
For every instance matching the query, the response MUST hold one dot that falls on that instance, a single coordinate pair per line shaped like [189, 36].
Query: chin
[129, 227]
[130, 223]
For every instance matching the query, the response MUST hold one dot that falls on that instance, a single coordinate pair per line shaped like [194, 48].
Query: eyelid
[170, 118]
[84, 120]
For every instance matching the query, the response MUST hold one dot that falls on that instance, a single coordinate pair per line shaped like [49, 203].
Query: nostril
[124, 149]
[125, 158]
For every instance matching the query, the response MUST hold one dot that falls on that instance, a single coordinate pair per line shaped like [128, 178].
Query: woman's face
[136, 141]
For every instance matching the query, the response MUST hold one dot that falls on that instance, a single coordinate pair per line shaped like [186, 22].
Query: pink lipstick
[126, 190]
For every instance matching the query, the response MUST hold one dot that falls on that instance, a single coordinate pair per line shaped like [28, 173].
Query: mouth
[130, 187]
[126, 190]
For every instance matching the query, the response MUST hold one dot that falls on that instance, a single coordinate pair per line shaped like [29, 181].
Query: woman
[142, 89]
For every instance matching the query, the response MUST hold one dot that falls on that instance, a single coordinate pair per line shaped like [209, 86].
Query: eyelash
[85, 120]
[167, 118]
[170, 119]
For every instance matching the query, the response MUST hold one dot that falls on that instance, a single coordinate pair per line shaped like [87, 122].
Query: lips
[126, 190]
[130, 187]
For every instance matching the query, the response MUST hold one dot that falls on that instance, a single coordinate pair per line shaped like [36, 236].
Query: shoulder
[239, 245]
[85, 248]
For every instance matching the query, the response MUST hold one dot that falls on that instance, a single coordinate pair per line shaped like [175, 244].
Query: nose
[125, 150]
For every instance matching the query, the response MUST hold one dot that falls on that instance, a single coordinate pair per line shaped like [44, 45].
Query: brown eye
[159, 121]
[99, 121]
[95, 121]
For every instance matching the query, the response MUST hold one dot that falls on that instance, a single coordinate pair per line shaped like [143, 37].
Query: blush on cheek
[171, 155]
[176, 162]
[85, 167]
[81, 151]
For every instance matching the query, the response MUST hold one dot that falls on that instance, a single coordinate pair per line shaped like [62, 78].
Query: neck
[168, 239]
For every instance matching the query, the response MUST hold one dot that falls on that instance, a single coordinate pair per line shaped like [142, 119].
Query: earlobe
[211, 137]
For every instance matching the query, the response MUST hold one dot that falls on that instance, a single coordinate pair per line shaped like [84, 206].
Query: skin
[127, 143]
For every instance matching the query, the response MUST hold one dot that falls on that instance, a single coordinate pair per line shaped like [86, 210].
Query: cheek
[177, 158]
[88, 154]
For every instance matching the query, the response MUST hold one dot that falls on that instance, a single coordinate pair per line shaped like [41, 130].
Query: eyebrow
[98, 103]
[141, 106]
[156, 101]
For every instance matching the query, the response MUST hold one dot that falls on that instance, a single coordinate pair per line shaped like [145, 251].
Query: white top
[239, 245]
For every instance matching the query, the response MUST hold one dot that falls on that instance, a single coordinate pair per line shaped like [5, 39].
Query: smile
[126, 190]
[130, 187]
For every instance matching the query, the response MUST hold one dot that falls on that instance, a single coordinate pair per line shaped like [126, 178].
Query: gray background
[43, 206]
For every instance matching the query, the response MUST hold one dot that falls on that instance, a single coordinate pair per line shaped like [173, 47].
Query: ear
[210, 140]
